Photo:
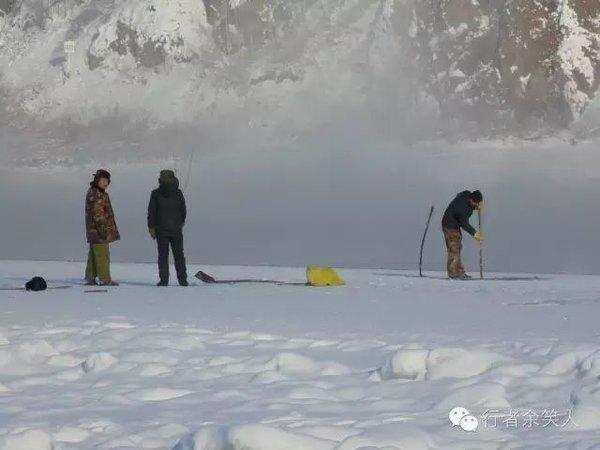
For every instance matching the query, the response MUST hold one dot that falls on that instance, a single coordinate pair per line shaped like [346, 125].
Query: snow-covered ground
[377, 364]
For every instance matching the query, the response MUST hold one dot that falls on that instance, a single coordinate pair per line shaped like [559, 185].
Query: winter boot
[464, 276]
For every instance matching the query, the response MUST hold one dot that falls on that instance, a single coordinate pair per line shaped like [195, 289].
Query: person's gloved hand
[479, 237]
[152, 232]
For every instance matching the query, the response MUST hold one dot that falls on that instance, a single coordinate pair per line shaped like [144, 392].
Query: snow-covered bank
[377, 364]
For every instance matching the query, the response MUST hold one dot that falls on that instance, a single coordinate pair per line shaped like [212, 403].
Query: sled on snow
[315, 276]
[323, 276]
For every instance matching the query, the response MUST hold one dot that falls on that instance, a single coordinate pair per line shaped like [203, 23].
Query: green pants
[98, 263]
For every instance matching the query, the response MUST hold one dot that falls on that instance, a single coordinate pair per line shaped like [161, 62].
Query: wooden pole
[480, 245]
[423, 242]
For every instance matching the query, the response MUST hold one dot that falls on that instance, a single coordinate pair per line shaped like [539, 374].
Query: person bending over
[456, 218]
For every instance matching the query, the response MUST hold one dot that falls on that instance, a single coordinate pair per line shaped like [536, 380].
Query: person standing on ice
[101, 230]
[455, 218]
[166, 217]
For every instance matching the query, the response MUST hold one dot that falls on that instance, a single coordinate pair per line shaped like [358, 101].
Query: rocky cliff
[396, 69]
[508, 62]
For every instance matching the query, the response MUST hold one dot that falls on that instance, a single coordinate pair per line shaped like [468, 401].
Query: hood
[465, 195]
[167, 182]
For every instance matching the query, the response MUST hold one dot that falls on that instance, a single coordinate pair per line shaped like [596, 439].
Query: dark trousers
[176, 242]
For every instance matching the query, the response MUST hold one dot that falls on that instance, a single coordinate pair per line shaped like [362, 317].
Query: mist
[335, 204]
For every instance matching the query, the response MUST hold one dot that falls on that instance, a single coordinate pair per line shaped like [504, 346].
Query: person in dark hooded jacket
[166, 217]
[456, 217]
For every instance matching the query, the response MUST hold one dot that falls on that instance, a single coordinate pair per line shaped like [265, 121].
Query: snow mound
[565, 362]
[158, 394]
[293, 364]
[250, 437]
[590, 365]
[479, 395]
[331, 433]
[34, 352]
[586, 417]
[397, 436]
[71, 435]
[585, 398]
[516, 370]
[406, 364]
[27, 440]
[416, 364]
[268, 377]
[261, 437]
[153, 370]
[98, 362]
[23, 358]
[64, 360]
[334, 369]
[288, 364]
[221, 361]
[460, 363]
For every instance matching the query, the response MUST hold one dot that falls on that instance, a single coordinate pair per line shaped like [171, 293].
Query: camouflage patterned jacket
[100, 224]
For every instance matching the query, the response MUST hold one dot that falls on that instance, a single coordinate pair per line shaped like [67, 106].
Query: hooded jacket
[458, 213]
[167, 210]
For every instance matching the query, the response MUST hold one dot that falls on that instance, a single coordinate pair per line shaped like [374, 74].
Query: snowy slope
[164, 61]
[160, 60]
[144, 72]
[377, 364]
[513, 63]
[150, 79]
[114, 43]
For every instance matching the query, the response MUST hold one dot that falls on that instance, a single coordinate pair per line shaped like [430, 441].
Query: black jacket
[167, 211]
[458, 213]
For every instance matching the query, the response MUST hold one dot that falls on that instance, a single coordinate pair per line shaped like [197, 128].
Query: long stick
[480, 245]
[423, 242]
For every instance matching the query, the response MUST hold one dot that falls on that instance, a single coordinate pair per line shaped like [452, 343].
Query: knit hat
[167, 177]
[476, 196]
[101, 174]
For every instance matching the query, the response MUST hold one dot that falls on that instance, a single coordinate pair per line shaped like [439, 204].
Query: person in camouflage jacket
[101, 230]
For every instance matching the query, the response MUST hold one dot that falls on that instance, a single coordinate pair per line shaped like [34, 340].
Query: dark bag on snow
[36, 284]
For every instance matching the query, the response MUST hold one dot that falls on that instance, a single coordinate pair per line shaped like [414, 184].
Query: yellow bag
[323, 276]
